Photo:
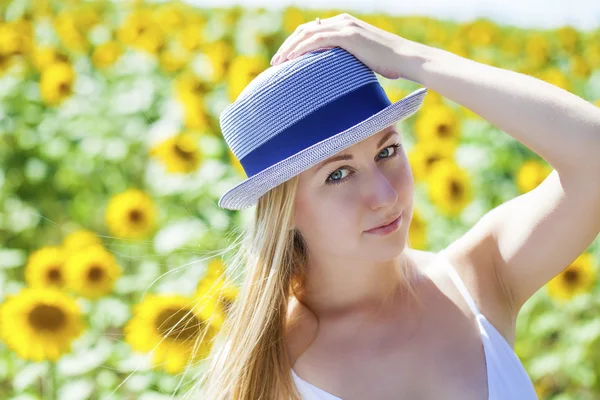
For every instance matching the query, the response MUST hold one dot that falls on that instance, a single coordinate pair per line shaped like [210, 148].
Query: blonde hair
[249, 359]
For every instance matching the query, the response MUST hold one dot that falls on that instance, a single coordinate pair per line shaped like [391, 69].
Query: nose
[378, 191]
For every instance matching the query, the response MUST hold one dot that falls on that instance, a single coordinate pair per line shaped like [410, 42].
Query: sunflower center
[432, 159]
[456, 189]
[63, 88]
[226, 304]
[96, 273]
[136, 216]
[571, 277]
[185, 154]
[54, 276]
[47, 317]
[177, 324]
[443, 130]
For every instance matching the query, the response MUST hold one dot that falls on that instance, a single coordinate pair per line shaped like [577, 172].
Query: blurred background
[112, 163]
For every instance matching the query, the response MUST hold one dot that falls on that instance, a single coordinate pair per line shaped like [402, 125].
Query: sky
[543, 14]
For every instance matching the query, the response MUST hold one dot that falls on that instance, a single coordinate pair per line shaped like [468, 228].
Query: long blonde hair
[249, 359]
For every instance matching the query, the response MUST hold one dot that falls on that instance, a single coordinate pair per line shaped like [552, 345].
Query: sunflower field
[112, 162]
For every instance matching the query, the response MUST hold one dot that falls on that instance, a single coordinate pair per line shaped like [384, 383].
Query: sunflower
[106, 54]
[568, 37]
[91, 271]
[577, 278]
[511, 46]
[189, 90]
[423, 156]
[45, 268]
[141, 31]
[79, 239]
[432, 99]
[579, 67]
[170, 327]
[480, 33]
[40, 324]
[180, 154]
[170, 17]
[174, 59]
[41, 11]
[449, 187]
[438, 121]
[66, 25]
[56, 82]
[458, 46]
[16, 37]
[395, 94]
[435, 35]
[219, 53]
[381, 21]
[531, 174]
[592, 54]
[6, 63]
[417, 231]
[216, 292]
[130, 214]
[216, 296]
[537, 51]
[189, 86]
[555, 77]
[292, 17]
[242, 71]
[196, 116]
[215, 268]
[43, 56]
[191, 36]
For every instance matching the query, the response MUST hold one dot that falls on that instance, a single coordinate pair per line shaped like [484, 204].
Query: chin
[389, 249]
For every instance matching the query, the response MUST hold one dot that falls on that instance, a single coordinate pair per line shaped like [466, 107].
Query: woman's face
[338, 200]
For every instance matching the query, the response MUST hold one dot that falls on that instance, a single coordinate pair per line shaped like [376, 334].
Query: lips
[387, 223]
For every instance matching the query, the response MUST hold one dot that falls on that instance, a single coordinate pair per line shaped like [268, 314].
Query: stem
[54, 386]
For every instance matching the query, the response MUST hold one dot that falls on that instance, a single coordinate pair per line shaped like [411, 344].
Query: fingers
[309, 36]
[302, 32]
[321, 40]
[308, 25]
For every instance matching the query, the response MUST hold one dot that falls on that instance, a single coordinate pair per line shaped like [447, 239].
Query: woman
[334, 309]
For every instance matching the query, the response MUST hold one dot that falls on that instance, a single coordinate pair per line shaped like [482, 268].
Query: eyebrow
[349, 156]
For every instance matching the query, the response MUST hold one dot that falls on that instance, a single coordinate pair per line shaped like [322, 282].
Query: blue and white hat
[301, 112]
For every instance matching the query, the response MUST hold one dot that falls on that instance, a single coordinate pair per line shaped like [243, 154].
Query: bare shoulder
[301, 329]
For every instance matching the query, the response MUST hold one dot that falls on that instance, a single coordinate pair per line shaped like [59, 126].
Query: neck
[344, 288]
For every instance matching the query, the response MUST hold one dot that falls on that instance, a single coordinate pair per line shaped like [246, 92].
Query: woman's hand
[383, 52]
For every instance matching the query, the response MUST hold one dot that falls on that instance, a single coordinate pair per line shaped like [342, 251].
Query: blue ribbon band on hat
[327, 121]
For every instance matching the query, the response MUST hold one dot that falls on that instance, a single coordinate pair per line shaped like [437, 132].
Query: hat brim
[246, 193]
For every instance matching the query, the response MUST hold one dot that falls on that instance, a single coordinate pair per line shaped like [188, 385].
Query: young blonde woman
[333, 307]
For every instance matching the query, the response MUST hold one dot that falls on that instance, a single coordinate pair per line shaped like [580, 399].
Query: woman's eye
[335, 177]
[389, 147]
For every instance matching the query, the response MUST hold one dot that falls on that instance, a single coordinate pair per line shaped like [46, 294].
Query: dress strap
[460, 285]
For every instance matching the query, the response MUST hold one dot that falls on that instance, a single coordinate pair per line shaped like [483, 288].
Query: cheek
[336, 221]
[326, 227]
[335, 231]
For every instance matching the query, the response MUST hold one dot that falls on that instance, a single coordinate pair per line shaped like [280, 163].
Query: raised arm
[538, 234]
